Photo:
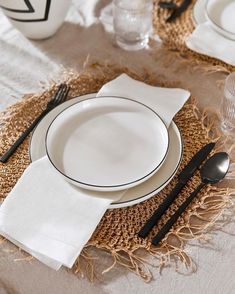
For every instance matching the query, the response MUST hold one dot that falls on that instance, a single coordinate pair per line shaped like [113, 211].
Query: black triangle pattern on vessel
[29, 9]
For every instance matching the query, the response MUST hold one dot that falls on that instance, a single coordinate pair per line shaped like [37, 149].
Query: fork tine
[59, 92]
[63, 95]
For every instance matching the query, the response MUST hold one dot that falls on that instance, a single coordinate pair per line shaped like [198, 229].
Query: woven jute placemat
[173, 35]
[117, 231]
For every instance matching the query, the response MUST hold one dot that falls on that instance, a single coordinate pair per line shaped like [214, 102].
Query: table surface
[82, 39]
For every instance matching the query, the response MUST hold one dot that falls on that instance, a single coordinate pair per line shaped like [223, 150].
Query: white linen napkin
[165, 101]
[205, 40]
[52, 219]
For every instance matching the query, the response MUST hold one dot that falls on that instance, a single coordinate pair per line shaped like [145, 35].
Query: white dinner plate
[133, 195]
[199, 12]
[107, 143]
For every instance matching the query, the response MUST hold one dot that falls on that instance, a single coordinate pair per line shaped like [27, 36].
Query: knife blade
[188, 171]
[177, 12]
[183, 178]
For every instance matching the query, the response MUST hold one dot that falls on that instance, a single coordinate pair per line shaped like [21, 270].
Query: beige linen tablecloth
[82, 40]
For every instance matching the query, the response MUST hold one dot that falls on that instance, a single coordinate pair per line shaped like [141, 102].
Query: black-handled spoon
[213, 171]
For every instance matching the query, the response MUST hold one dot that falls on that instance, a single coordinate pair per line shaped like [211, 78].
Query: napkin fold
[205, 40]
[165, 101]
[52, 219]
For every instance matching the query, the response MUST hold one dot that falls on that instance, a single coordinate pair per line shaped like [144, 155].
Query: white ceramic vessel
[36, 19]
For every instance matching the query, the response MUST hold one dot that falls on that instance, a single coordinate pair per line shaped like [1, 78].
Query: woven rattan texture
[173, 34]
[117, 231]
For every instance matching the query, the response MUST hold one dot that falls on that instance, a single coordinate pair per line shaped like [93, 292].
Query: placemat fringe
[174, 34]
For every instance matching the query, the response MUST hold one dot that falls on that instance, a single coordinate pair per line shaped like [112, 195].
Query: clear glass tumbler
[227, 109]
[132, 22]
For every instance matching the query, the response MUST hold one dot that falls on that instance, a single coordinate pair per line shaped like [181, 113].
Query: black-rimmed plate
[133, 195]
[107, 143]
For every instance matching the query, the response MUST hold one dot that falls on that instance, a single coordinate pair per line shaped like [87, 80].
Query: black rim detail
[108, 186]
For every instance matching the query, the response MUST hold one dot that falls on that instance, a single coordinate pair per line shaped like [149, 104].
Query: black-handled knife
[168, 225]
[183, 178]
[178, 11]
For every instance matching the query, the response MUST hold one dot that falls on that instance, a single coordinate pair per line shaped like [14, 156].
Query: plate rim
[214, 22]
[113, 205]
[195, 20]
[159, 188]
[113, 187]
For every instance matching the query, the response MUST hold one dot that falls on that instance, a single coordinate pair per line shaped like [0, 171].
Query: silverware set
[212, 171]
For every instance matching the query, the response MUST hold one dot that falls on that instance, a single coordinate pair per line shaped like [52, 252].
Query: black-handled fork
[59, 97]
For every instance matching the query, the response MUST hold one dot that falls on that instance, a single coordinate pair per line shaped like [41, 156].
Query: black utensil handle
[22, 137]
[177, 12]
[167, 5]
[160, 210]
[165, 229]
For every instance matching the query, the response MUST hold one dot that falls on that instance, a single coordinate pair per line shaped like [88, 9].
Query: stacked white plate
[219, 13]
[109, 144]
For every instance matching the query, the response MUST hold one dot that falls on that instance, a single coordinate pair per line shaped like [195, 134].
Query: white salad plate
[107, 143]
[133, 195]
